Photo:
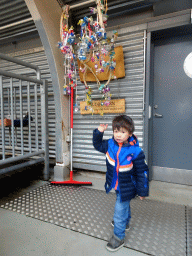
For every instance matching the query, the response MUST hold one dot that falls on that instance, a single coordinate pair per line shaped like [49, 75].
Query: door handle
[158, 115]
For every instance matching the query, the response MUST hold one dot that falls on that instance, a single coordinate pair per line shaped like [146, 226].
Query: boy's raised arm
[98, 142]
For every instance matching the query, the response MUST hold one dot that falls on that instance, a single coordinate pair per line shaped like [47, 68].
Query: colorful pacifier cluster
[94, 45]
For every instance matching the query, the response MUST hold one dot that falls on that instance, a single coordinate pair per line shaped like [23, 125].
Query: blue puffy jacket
[127, 162]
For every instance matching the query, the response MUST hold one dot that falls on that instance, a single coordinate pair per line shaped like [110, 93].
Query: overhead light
[188, 65]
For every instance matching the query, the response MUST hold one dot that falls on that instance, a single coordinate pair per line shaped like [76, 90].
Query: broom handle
[71, 107]
[71, 128]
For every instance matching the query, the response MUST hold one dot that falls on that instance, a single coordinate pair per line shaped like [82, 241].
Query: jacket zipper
[117, 168]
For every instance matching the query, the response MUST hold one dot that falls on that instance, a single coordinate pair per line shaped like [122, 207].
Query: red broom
[71, 181]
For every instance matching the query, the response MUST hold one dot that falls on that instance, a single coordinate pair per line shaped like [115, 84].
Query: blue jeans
[121, 217]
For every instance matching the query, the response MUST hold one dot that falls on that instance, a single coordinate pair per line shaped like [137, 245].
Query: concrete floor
[25, 236]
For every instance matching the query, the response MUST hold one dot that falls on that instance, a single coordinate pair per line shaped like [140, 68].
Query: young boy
[127, 172]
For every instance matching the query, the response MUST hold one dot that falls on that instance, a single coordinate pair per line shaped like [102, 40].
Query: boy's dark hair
[123, 121]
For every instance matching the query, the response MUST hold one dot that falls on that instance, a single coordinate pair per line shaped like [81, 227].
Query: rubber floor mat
[157, 228]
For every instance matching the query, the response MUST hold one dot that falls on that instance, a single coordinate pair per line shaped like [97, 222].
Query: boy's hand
[142, 197]
[102, 127]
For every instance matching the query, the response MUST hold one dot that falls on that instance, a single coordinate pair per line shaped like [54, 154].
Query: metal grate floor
[157, 228]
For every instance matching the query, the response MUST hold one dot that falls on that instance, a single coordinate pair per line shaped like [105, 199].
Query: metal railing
[24, 139]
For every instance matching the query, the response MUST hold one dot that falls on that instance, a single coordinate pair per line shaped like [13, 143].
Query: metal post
[9, 113]
[21, 116]
[12, 117]
[2, 117]
[15, 114]
[44, 126]
[36, 117]
[29, 116]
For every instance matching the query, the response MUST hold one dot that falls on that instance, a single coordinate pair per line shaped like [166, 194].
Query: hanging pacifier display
[94, 46]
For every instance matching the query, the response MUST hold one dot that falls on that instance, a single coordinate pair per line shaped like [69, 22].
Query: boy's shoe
[126, 229]
[115, 244]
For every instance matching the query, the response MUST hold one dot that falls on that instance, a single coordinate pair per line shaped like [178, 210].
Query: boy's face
[121, 135]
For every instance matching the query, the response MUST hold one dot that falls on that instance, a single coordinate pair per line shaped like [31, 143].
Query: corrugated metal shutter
[37, 57]
[131, 88]
[80, 9]
[15, 19]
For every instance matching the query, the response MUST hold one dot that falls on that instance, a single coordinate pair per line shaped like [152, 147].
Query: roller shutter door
[131, 88]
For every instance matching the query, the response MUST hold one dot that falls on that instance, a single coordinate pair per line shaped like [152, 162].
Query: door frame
[148, 127]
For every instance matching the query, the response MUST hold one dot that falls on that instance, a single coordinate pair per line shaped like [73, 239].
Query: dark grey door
[172, 112]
